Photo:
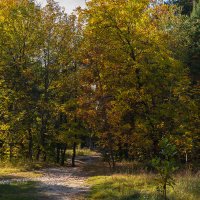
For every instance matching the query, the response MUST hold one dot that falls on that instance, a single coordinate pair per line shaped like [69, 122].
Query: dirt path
[61, 183]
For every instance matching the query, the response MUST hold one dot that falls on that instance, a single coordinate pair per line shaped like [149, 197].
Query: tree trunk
[38, 154]
[57, 154]
[63, 156]
[112, 160]
[74, 155]
[44, 156]
[11, 151]
[42, 135]
[30, 146]
[186, 157]
[165, 191]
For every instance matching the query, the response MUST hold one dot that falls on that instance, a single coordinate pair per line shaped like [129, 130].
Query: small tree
[165, 165]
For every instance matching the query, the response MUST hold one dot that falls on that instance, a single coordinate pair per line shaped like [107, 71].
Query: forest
[119, 79]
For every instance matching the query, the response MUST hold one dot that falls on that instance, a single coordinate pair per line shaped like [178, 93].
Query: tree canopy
[124, 74]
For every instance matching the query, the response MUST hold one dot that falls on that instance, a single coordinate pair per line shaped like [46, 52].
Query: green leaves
[165, 165]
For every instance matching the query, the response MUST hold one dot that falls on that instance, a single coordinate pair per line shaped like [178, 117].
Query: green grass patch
[81, 152]
[141, 187]
[19, 191]
[15, 166]
[17, 172]
[9, 170]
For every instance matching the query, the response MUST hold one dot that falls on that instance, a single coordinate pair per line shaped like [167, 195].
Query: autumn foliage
[118, 74]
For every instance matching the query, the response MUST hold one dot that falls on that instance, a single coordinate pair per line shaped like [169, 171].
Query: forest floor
[52, 183]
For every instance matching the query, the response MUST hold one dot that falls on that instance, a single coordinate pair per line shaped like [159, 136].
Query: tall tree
[38, 65]
[132, 81]
[19, 40]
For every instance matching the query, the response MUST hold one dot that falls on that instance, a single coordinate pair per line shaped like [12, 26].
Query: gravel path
[61, 183]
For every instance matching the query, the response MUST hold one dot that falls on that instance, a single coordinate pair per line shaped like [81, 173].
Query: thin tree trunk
[42, 134]
[11, 151]
[38, 154]
[186, 157]
[57, 154]
[165, 191]
[112, 160]
[63, 156]
[44, 156]
[74, 155]
[30, 146]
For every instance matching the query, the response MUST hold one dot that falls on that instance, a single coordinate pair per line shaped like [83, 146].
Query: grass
[124, 185]
[141, 187]
[19, 191]
[9, 172]
[81, 152]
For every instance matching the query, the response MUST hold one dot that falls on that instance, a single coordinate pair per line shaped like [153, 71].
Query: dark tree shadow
[59, 192]
[19, 191]
[142, 196]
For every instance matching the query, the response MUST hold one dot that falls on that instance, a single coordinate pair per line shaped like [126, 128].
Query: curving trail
[61, 183]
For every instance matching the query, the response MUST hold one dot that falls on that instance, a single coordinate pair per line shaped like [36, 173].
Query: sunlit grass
[21, 171]
[141, 186]
[9, 170]
[81, 152]
[187, 187]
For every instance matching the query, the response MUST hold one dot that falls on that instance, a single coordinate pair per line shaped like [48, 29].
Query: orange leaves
[128, 56]
[160, 10]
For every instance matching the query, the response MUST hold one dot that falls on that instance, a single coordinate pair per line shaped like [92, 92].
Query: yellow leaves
[1, 17]
[126, 127]
[188, 133]
[4, 127]
[161, 125]
[132, 61]
[86, 61]
[28, 73]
